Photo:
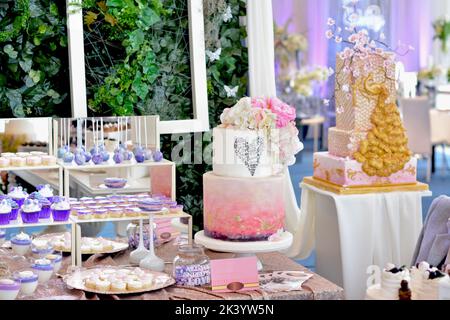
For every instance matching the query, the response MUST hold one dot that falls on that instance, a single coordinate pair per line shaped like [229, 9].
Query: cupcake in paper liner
[46, 191]
[5, 212]
[18, 195]
[60, 209]
[30, 211]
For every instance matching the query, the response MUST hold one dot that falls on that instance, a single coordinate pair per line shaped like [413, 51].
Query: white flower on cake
[267, 114]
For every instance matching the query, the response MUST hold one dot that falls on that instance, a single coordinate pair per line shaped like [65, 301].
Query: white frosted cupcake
[60, 209]
[34, 161]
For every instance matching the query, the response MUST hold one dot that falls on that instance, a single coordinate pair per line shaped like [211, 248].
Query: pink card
[229, 275]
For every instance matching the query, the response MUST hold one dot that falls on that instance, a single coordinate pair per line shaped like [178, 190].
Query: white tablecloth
[440, 126]
[352, 232]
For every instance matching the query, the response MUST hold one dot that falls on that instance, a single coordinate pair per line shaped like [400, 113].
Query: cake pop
[68, 156]
[157, 156]
[80, 157]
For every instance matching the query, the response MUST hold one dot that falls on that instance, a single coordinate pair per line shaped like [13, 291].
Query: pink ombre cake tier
[348, 172]
[242, 209]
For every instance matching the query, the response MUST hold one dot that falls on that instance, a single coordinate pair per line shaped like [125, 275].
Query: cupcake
[30, 211]
[18, 161]
[45, 208]
[34, 161]
[5, 212]
[56, 260]
[46, 191]
[9, 289]
[84, 214]
[18, 195]
[60, 209]
[8, 155]
[74, 209]
[28, 282]
[38, 153]
[14, 209]
[40, 248]
[176, 208]
[115, 212]
[20, 244]
[100, 213]
[48, 160]
[44, 269]
[4, 162]
[23, 154]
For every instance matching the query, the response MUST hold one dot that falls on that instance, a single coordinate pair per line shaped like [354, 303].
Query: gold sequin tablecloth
[315, 288]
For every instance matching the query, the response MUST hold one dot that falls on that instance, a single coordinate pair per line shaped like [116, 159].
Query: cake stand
[248, 248]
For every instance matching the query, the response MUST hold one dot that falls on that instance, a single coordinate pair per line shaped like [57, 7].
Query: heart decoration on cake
[249, 153]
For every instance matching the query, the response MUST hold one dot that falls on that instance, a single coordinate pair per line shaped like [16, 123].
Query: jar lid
[190, 249]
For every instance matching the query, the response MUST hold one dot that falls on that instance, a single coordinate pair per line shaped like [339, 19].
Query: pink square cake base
[348, 172]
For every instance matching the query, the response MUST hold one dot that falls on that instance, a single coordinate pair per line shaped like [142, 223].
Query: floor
[439, 184]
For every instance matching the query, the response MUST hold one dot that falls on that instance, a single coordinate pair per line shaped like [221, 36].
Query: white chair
[416, 119]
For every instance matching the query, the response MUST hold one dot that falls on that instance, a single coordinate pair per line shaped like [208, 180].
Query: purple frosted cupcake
[60, 209]
[45, 208]
[5, 212]
[30, 211]
[46, 191]
[18, 195]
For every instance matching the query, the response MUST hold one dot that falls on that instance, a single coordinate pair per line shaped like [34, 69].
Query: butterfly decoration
[249, 152]
[213, 56]
[227, 15]
[231, 92]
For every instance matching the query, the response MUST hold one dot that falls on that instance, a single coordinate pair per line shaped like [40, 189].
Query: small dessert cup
[84, 214]
[21, 244]
[28, 282]
[101, 213]
[41, 248]
[56, 260]
[44, 269]
[115, 212]
[9, 289]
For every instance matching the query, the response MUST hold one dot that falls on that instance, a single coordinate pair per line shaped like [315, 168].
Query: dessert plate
[116, 245]
[76, 280]
[103, 186]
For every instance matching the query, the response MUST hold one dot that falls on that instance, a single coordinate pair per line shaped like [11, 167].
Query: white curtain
[262, 82]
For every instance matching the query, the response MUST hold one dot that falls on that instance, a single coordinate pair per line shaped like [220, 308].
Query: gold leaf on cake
[237, 218]
[339, 172]
[351, 174]
[327, 175]
[265, 226]
[316, 164]
[411, 170]
[385, 150]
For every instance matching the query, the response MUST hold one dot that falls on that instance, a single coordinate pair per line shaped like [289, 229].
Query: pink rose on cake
[284, 112]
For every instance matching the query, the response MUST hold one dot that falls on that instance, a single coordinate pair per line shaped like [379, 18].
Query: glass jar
[191, 266]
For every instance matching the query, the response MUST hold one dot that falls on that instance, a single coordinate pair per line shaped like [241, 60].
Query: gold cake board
[340, 190]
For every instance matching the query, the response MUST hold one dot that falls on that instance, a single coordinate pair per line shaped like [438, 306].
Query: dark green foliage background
[33, 59]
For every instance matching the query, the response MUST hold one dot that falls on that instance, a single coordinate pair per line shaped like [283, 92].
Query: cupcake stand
[279, 242]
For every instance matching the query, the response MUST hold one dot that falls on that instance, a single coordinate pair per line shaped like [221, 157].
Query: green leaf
[9, 50]
[35, 75]
[25, 64]
[53, 94]
[149, 17]
[139, 87]
[114, 3]
[135, 39]
[15, 102]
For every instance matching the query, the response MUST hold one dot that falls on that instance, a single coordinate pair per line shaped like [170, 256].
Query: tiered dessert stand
[280, 242]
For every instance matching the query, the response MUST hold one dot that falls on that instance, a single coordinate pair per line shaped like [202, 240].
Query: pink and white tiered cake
[368, 146]
[243, 197]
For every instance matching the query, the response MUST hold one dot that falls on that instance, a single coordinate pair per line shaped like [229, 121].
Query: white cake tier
[243, 153]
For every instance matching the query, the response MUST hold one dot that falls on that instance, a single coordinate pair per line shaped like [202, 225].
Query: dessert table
[315, 288]
[352, 232]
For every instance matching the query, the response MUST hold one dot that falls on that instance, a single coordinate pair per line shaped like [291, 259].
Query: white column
[261, 54]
